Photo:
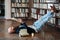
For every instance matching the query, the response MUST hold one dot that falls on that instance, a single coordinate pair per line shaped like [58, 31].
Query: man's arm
[14, 19]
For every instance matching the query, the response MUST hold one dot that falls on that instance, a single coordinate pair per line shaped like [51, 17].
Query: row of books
[37, 1]
[33, 15]
[19, 10]
[59, 6]
[20, 1]
[35, 11]
[58, 21]
[45, 6]
[19, 15]
[19, 5]
[58, 14]
[52, 20]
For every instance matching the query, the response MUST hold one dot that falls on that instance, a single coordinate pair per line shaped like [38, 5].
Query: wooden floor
[47, 33]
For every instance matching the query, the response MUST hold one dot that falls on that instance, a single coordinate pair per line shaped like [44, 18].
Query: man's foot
[53, 9]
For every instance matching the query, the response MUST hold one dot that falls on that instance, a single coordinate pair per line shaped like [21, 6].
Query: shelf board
[25, 2]
[21, 2]
[48, 23]
[43, 8]
[48, 2]
[58, 17]
[26, 18]
[19, 7]
[41, 14]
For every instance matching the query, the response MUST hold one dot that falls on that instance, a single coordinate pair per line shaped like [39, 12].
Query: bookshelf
[44, 6]
[2, 8]
[35, 9]
[19, 8]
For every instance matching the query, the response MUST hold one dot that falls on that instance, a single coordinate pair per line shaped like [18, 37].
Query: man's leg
[40, 22]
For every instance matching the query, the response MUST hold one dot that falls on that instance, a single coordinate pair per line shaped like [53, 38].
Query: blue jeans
[40, 22]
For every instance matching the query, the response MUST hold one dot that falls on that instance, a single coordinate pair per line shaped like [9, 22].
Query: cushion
[23, 32]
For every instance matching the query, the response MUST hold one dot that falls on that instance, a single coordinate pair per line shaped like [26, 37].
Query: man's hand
[18, 20]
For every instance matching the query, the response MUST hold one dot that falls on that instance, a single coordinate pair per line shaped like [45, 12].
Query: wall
[7, 9]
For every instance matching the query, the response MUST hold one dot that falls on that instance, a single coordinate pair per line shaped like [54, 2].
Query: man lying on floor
[24, 30]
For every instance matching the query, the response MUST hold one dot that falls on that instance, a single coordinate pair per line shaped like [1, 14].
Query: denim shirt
[21, 26]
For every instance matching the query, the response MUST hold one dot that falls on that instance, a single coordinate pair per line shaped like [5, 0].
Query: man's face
[20, 20]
